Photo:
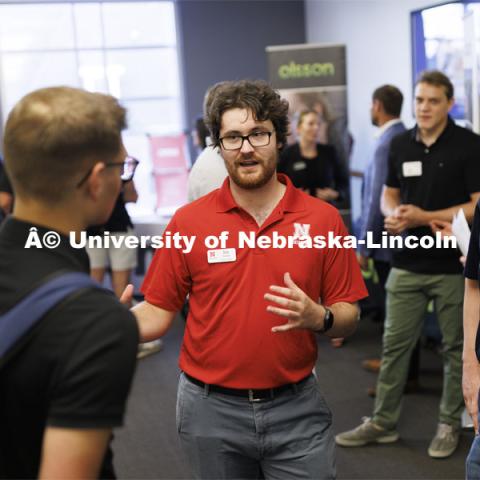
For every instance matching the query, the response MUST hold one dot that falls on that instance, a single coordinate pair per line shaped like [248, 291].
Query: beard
[249, 181]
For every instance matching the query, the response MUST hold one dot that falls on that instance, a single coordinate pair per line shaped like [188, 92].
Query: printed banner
[313, 77]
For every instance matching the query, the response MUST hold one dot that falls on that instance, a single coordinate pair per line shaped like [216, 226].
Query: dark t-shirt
[76, 367]
[119, 220]
[311, 173]
[472, 264]
[433, 178]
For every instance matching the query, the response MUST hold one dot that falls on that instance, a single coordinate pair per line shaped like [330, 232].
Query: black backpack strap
[20, 319]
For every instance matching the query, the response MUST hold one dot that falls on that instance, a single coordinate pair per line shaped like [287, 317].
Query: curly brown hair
[255, 95]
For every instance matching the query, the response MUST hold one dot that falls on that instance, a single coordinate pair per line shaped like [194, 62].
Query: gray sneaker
[444, 442]
[149, 348]
[367, 432]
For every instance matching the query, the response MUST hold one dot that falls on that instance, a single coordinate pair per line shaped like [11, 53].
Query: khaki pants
[408, 294]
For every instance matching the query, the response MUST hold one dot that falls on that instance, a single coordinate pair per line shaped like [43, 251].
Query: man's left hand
[444, 228]
[412, 215]
[295, 305]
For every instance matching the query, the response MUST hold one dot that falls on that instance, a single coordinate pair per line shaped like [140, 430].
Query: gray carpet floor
[147, 446]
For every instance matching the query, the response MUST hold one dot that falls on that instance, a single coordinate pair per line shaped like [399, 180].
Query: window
[127, 49]
[438, 41]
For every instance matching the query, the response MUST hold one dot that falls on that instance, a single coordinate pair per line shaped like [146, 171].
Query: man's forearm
[346, 317]
[390, 200]
[471, 312]
[447, 214]
[153, 322]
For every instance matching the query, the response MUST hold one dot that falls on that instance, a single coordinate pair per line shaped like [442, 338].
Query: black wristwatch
[327, 321]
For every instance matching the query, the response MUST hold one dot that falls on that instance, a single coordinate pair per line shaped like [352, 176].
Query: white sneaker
[148, 348]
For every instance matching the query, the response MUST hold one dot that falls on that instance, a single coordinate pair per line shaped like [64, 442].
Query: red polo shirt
[228, 339]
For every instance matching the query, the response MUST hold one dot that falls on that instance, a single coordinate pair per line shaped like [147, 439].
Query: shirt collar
[292, 200]
[447, 131]
[15, 233]
[381, 130]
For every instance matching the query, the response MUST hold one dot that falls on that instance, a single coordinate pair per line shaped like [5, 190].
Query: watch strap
[327, 321]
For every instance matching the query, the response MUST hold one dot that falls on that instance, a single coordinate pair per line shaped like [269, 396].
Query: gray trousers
[228, 437]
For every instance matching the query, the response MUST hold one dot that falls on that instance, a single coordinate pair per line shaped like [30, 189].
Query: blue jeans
[472, 465]
[228, 437]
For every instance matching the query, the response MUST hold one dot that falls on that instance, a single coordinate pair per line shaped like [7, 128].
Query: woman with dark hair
[312, 166]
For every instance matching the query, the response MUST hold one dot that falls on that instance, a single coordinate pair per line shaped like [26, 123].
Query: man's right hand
[471, 388]
[127, 296]
[153, 322]
[395, 225]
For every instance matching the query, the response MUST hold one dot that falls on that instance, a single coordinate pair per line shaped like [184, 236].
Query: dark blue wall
[226, 40]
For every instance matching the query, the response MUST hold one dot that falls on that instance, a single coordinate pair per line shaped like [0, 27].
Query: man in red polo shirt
[247, 399]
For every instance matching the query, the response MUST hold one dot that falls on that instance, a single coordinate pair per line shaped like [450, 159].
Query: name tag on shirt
[222, 255]
[299, 166]
[412, 169]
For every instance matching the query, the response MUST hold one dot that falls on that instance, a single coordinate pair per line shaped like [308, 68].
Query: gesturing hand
[300, 310]
[127, 295]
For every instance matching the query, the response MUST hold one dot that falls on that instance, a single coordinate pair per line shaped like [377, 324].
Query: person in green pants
[433, 172]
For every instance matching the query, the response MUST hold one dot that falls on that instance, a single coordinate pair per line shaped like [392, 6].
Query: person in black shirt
[122, 260]
[434, 170]
[312, 166]
[64, 390]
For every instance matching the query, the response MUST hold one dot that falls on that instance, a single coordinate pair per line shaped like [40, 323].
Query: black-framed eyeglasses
[129, 166]
[255, 139]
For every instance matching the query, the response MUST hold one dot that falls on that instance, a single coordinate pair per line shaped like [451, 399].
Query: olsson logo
[306, 70]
